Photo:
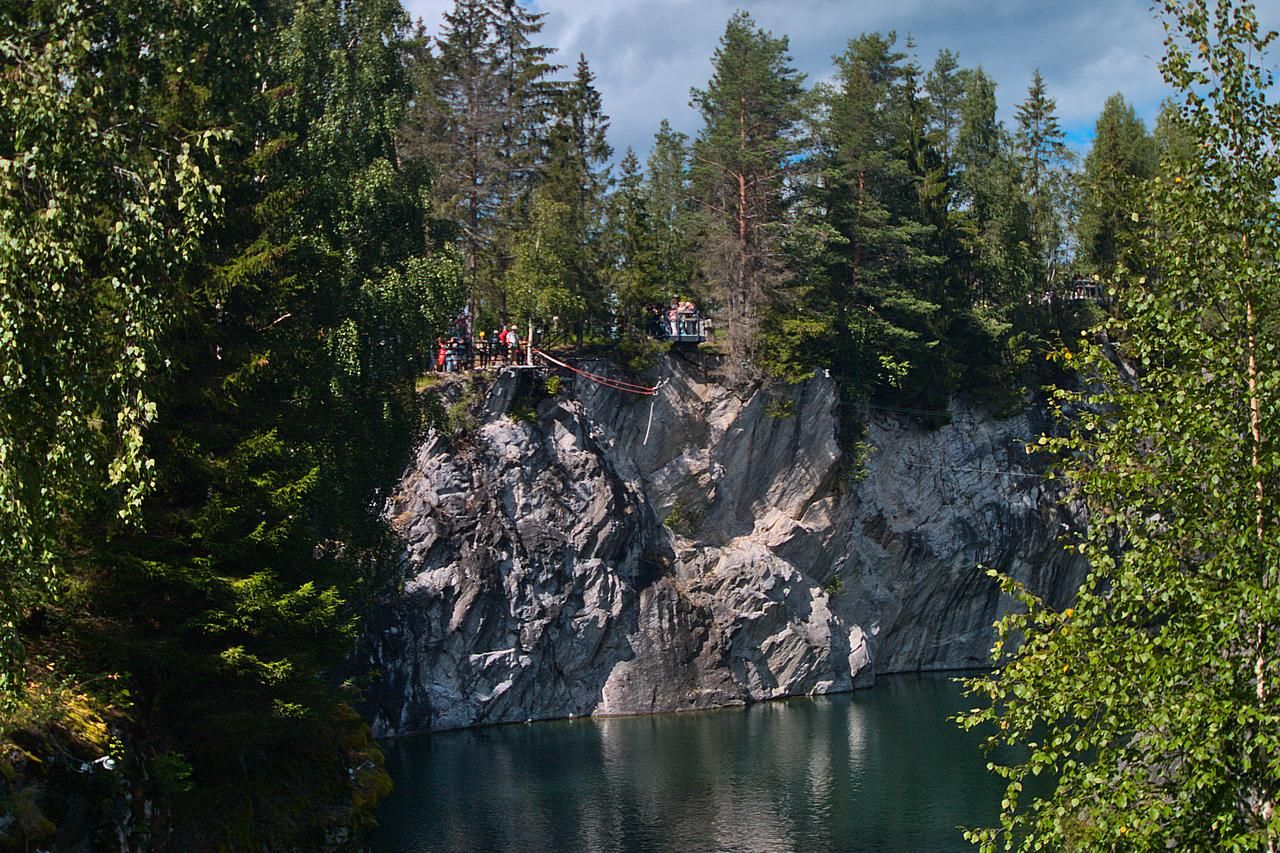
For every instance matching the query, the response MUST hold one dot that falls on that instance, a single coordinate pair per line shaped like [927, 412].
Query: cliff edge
[595, 552]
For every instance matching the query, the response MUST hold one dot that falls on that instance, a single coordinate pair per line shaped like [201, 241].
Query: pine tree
[749, 109]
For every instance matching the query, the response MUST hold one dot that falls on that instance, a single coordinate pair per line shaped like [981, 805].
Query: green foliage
[554, 385]
[945, 85]
[1044, 158]
[1152, 700]
[1123, 155]
[667, 194]
[640, 353]
[1174, 142]
[460, 415]
[574, 177]
[479, 120]
[872, 233]
[780, 407]
[857, 453]
[649, 236]
[543, 282]
[173, 774]
[632, 241]
[523, 414]
[683, 520]
[101, 211]
[750, 108]
[280, 275]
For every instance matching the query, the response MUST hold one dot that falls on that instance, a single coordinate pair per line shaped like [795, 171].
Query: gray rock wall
[541, 580]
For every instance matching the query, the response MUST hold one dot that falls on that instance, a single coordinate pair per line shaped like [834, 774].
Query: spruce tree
[1174, 142]
[1123, 155]
[945, 86]
[576, 176]
[671, 212]
[1045, 158]
[1002, 264]
[978, 135]
[483, 111]
[884, 318]
[635, 282]
[465, 128]
[526, 103]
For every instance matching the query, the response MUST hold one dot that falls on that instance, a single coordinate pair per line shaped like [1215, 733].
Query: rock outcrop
[602, 553]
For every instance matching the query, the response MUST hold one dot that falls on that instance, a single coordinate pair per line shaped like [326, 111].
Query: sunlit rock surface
[617, 554]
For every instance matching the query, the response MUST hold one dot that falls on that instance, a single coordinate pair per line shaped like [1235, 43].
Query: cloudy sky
[648, 53]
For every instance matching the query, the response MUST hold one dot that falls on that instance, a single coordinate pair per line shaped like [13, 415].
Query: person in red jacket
[513, 344]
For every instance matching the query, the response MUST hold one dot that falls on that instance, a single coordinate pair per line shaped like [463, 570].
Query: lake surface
[877, 769]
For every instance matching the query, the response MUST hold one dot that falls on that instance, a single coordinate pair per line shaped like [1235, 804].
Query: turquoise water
[877, 769]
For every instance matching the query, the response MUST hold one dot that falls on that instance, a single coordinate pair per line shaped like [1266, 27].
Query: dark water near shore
[878, 769]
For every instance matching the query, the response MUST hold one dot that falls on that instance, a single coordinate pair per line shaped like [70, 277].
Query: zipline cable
[608, 382]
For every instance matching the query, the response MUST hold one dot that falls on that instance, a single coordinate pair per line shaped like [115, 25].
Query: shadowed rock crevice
[541, 581]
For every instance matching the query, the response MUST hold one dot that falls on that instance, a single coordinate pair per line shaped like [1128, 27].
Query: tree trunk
[743, 241]
[1267, 807]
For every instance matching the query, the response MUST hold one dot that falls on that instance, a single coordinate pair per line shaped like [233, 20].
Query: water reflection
[879, 769]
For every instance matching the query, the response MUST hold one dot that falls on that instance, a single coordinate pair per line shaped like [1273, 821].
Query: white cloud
[647, 55]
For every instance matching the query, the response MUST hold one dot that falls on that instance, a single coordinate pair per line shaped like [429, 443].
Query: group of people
[500, 347]
[679, 318]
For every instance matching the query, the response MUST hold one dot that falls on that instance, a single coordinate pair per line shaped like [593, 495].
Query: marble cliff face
[603, 553]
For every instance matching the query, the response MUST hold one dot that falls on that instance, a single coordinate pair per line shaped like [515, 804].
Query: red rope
[615, 384]
[597, 377]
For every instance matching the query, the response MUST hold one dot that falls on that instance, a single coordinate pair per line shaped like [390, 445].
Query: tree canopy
[232, 232]
[1150, 704]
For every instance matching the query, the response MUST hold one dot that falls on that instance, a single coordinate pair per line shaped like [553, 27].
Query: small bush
[460, 417]
[523, 414]
[640, 353]
[682, 520]
[780, 408]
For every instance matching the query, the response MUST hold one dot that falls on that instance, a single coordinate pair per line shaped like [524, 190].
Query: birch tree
[1152, 700]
